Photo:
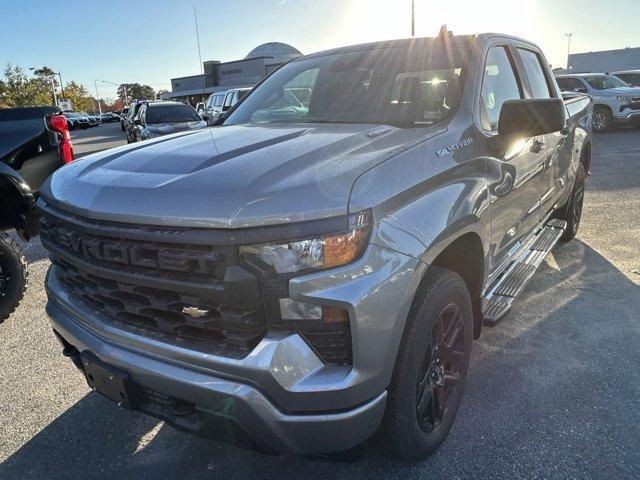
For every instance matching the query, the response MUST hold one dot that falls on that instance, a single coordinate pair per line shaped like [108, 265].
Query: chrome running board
[504, 290]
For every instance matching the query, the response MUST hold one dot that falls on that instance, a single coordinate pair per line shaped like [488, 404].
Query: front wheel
[602, 119]
[13, 276]
[431, 367]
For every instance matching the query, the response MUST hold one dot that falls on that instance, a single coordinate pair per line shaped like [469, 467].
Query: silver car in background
[155, 119]
[614, 101]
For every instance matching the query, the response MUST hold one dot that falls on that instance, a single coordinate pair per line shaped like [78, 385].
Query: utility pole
[61, 85]
[98, 97]
[195, 18]
[413, 18]
[568, 35]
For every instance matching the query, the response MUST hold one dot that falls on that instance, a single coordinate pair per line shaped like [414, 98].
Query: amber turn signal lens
[334, 315]
[342, 249]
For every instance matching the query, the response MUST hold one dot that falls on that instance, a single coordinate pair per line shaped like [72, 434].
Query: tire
[411, 431]
[13, 276]
[573, 211]
[602, 119]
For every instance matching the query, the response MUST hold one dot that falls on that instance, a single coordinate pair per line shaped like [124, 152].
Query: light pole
[117, 85]
[98, 97]
[413, 18]
[568, 35]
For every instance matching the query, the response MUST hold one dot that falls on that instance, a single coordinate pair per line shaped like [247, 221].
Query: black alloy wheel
[440, 367]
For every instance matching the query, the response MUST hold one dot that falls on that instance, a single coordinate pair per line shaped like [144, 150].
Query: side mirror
[137, 121]
[529, 118]
[580, 89]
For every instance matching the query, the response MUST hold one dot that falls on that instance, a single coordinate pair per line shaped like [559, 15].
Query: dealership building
[605, 61]
[221, 76]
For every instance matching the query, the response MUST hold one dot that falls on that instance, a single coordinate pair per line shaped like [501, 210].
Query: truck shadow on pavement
[553, 392]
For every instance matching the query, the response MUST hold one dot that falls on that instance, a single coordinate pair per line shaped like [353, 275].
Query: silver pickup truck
[310, 272]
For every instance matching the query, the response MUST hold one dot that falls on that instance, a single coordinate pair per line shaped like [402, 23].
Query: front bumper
[281, 393]
[627, 117]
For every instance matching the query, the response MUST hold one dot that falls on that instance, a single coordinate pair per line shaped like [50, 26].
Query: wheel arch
[465, 256]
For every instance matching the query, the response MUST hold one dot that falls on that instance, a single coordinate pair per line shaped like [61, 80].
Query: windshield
[403, 86]
[171, 114]
[604, 82]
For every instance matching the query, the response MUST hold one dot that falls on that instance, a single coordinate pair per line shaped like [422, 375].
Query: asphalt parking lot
[553, 392]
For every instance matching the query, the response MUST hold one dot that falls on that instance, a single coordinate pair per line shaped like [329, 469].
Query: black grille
[144, 287]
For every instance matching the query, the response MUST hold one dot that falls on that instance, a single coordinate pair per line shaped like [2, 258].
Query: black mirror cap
[531, 117]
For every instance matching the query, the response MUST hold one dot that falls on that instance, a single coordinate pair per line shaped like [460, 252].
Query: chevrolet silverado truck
[615, 103]
[311, 275]
[34, 142]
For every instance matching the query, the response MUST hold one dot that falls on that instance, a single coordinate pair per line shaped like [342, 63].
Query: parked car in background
[34, 142]
[615, 103]
[156, 119]
[94, 120]
[109, 117]
[77, 120]
[632, 77]
[123, 117]
[315, 280]
[213, 107]
[233, 96]
[132, 113]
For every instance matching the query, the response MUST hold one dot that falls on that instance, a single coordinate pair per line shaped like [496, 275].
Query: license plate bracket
[111, 382]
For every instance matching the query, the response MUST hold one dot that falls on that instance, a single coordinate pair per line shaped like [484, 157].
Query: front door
[517, 190]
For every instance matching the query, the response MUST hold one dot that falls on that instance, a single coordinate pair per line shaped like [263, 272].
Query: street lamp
[413, 18]
[95, 82]
[568, 35]
[117, 85]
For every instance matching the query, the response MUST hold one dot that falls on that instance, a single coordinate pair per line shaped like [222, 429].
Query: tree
[160, 92]
[135, 91]
[81, 101]
[18, 90]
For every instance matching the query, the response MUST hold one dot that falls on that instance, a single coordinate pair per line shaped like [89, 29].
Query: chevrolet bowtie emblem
[195, 312]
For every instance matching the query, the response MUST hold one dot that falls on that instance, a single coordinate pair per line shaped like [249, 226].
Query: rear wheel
[602, 119]
[431, 367]
[573, 211]
[13, 276]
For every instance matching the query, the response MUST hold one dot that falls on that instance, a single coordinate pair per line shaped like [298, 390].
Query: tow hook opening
[69, 351]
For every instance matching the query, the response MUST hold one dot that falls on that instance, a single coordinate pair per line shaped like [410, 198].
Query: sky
[152, 41]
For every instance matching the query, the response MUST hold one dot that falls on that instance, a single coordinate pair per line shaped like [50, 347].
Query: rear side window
[499, 84]
[535, 73]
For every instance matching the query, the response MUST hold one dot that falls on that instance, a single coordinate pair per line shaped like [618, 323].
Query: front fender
[17, 201]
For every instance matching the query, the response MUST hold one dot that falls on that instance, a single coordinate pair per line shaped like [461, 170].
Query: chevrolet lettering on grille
[134, 255]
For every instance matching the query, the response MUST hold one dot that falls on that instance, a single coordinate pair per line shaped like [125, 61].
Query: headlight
[316, 253]
[624, 99]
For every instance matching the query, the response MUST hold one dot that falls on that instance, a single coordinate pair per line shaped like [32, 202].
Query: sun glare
[385, 19]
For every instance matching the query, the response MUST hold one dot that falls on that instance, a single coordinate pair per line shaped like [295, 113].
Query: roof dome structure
[276, 50]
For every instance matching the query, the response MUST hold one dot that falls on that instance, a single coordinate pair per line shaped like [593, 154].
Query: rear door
[550, 149]
[515, 197]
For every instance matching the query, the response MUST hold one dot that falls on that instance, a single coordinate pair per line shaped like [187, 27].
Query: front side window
[408, 87]
[537, 79]
[499, 84]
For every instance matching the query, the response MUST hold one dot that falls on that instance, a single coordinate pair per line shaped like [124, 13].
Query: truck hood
[228, 177]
